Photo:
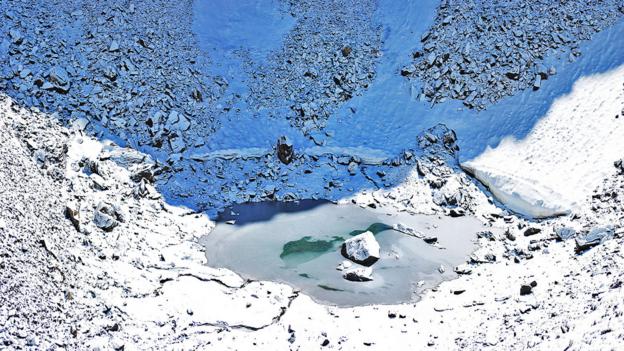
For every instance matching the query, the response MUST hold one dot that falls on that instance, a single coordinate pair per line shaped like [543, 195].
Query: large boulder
[362, 249]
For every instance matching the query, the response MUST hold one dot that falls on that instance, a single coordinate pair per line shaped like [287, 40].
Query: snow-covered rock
[344, 265]
[362, 249]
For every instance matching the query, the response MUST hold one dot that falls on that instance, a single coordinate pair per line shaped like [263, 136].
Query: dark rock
[360, 274]
[532, 231]
[197, 95]
[142, 172]
[430, 239]
[537, 83]
[619, 164]
[509, 235]
[285, 150]
[449, 138]
[486, 234]
[463, 269]
[408, 70]
[72, 212]
[525, 290]
[457, 212]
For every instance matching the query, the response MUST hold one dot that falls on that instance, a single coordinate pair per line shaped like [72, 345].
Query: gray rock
[108, 216]
[344, 265]
[177, 122]
[99, 182]
[362, 249]
[16, 36]
[353, 168]
[594, 237]
[114, 46]
[177, 144]
[104, 221]
[565, 233]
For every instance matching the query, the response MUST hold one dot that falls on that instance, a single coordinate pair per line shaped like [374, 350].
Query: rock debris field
[122, 137]
[505, 46]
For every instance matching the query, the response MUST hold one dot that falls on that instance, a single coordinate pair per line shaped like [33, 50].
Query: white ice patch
[567, 154]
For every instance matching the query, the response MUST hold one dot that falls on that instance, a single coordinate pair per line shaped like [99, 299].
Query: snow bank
[366, 155]
[566, 155]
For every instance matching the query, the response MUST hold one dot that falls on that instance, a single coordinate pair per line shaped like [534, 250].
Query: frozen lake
[299, 244]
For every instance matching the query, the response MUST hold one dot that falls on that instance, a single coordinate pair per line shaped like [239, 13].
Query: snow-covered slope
[567, 154]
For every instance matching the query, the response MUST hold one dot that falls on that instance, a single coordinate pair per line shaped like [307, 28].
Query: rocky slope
[480, 51]
[88, 242]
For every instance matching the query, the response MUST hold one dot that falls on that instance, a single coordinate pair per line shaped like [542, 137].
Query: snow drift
[566, 155]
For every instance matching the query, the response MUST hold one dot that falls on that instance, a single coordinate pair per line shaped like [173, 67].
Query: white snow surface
[566, 155]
